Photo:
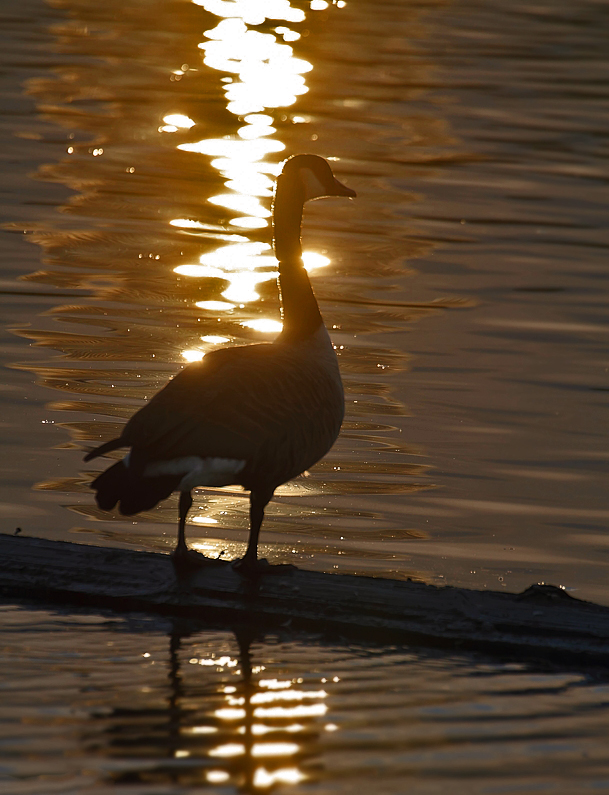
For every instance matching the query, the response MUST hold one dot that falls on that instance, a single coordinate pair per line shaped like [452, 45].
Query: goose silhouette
[254, 415]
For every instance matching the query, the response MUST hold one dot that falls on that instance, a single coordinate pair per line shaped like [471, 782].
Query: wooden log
[541, 620]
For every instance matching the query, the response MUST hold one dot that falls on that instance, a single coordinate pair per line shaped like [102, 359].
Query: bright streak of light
[241, 203]
[186, 223]
[215, 306]
[260, 729]
[228, 166]
[213, 339]
[221, 662]
[250, 182]
[203, 520]
[193, 355]
[275, 684]
[229, 713]
[287, 695]
[248, 223]
[269, 75]
[265, 325]
[200, 730]
[300, 711]
[229, 749]
[319, 5]
[216, 776]
[168, 128]
[312, 260]
[246, 255]
[253, 12]
[200, 271]
[245, 151]
[241, 289]
[274, 749]
[179, 120]
[287, 34]
[258, 118]
[285, 775]
[251, 131]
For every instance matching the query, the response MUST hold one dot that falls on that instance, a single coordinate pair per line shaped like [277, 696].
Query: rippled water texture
[465, 288]
[136, 707]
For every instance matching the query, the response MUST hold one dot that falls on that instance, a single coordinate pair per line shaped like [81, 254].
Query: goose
[254, 415]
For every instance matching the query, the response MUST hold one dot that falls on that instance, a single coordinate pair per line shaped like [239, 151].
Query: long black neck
[301, 316]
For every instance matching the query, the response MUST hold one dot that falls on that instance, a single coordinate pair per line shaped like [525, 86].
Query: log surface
[541, 619]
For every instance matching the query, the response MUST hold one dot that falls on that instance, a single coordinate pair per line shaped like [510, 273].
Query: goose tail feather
[133, 494]
[107, 447]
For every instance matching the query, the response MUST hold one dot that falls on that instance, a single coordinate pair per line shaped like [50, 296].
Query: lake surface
[130, 705]
[465, 287]
[465, 290]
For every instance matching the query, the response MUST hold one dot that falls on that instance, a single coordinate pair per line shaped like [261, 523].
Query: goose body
[256, 415]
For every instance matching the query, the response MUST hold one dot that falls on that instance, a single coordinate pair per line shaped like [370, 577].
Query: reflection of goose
[256, 415]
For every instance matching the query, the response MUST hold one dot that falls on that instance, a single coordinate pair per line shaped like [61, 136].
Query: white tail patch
[197, 471]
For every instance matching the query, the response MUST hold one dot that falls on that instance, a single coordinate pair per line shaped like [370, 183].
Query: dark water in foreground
[466, 291]
[138, 707]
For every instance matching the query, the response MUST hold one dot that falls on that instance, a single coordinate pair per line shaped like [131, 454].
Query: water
[138, 707]
[465, 290]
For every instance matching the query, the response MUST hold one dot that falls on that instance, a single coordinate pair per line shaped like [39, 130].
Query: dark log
[541, 620]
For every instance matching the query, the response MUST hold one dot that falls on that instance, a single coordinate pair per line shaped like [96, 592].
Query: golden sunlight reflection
[260, 728]
[245, 719]
[244, 266]
[275, 684]
[178, 120]
[229, 713]
[287, 695]
[215, 306]
[228, 749]
[214, 339]
[249, 222]
[219, 662]
[274, 749]
[243, 204]
[259, 73]
[300, 711]
[312, 260]
[217, 776]
[193, 355]
[263, 324]
[253, 12]
[285, 775]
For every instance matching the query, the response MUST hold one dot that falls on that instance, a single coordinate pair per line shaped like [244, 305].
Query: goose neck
[287, 219]
[299, 307]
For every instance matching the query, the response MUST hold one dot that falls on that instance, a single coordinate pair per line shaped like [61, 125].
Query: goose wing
[228, 405]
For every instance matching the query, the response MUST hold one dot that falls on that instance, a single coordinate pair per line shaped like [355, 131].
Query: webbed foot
[253, 569]
[185, 560]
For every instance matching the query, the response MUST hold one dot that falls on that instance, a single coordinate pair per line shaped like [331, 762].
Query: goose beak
[343, 190]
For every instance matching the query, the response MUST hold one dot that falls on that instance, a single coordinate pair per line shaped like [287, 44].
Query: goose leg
[249, 562]
[182, 557]
[184, 506]
[249, 565]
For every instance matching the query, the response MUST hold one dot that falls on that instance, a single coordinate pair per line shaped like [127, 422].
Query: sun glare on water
[259, 74]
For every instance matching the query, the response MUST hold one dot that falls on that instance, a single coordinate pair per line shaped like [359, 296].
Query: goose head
[310, 177]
